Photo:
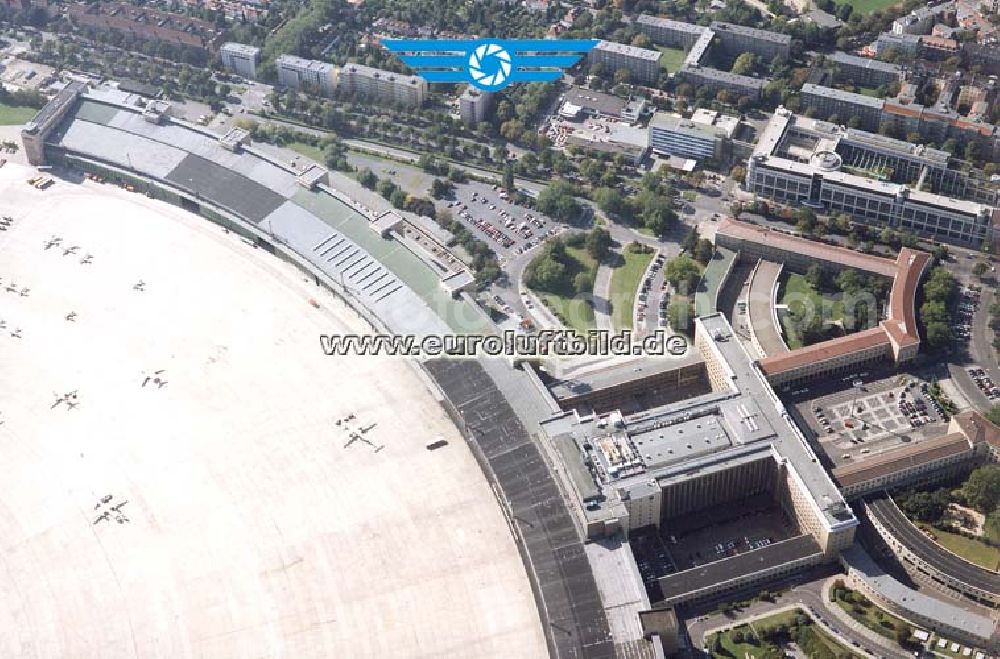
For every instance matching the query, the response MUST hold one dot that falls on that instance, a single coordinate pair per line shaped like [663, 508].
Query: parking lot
[873, 418]
[714, 543]
[506, 227]
[708, 536]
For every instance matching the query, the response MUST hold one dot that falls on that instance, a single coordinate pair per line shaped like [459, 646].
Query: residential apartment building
[715, 80]
[736, 39]
[383, 86]
[827, 101]
[643, 64]
[241, 59]
[306, 74]
[666, 32]
[864, 71]
[146, 23]
[905, 44]
[474, 105]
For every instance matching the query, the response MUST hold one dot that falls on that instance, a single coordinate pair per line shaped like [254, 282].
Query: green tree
[982, 488]
[940, 286]
[367, 178]
[745, 64]
[980, 269]
[508, 177]
[441, 188]
[557, 201]
[814, 275]
[683, 274]
[598, 243]
[610, 201]
[703, 251]
[994, 415]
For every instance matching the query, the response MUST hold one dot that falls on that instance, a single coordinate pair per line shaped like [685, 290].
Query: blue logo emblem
[490, 64]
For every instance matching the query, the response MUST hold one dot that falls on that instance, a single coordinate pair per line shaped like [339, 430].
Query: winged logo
[490, 64]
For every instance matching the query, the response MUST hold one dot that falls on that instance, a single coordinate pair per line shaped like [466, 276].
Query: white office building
[701, 137]
[806, 161]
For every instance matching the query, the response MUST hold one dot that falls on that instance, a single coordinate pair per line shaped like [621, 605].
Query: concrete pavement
[602, 296]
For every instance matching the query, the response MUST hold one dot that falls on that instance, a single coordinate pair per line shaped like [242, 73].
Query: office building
[241, 59]
[703, 137]
[383, 86]
[613, 137]
[643, 64]
[306, 75]
[875, 179]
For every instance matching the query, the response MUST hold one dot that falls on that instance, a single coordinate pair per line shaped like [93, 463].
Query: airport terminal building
[661, 470]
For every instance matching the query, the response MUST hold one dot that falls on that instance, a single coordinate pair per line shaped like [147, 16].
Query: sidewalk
[602, 296]
[845, 618]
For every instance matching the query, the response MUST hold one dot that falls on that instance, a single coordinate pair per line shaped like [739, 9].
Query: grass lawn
[872, 617]
[802, 299]
[946, 650]
[688, 195]
[15, 115]
[869, 91]
[868, 6]
[307, 150]
[575, 312]
[973, 551]
[671, 58]
[624, 285]
[757, 649]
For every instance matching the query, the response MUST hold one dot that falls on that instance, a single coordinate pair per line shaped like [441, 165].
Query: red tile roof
[892, 462]
[821, 352]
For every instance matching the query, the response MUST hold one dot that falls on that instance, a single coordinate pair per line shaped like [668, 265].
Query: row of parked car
[915, 409]
[967, 307]
[985, 383]
[647, 283]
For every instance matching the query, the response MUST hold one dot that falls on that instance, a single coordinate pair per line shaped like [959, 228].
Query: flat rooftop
[594, 100]
[628, 51]
[844, 96]
[789, 441]
[753, 33]
[907, 599]
[600, 377]
[728, 569]
[678, 26]
[841, 57]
